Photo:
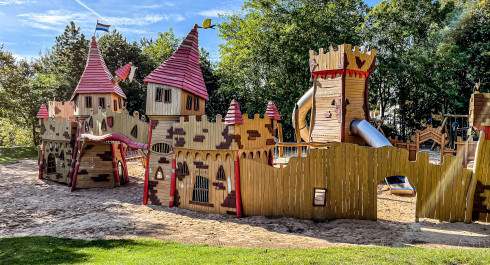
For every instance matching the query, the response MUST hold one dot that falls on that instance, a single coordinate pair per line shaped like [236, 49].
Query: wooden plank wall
[355, 93]
[482, 175]
[351, 174]
[202, 134]
[96, 169]
[249, 139]
[122, 123]
[327, 129]
[206, 164]
[62, 110]
[161, 108]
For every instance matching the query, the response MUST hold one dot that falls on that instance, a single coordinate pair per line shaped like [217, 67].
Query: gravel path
[30, 207]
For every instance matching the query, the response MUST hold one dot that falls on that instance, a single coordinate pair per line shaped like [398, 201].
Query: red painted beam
[237, 187]
[172, 184]
[145, 192]
[114, 165]
[124, 161]
[117, 137]
[41, 162]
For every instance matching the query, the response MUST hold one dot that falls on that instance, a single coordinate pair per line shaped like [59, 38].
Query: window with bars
[161, 148]
[158, 96]
[115, 105]
[201, 190]
[221, 173]
[196, 103]
[51, 168]
[102, 103]
[185, 169]
[188, 105]
[168, 96]
[88, 101]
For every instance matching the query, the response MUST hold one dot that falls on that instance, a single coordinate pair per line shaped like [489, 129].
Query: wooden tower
[175, 89]
[340, 92]
[95, 88]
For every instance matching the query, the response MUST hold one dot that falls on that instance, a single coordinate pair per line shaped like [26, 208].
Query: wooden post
[298, 135]
[41, 163]
[237, 187]
[75, 148]
[147, 171]
[123, 155]
[114, 166]
[281, 139]
[77, 166]
[172, 183]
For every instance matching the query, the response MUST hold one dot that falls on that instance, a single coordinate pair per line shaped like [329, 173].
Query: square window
[320, 197]
[88, 101]
[196, 103]
[120, 103]
[188, 105]
[102, 103]
[115, 105]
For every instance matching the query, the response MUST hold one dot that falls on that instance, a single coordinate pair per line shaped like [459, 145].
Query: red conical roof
[96, 78]
[43, 112]
[182, 68]
[272, 112]
[234, 116]
[123, 71]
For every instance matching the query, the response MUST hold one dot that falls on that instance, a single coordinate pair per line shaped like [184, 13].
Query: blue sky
[30, 26]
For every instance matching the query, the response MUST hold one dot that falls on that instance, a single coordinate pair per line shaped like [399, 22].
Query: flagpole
[96, 27]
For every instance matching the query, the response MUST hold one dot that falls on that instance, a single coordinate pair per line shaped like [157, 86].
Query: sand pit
[32, 207]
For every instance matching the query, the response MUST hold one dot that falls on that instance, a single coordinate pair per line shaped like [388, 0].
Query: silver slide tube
[368, 133]
[304, 105]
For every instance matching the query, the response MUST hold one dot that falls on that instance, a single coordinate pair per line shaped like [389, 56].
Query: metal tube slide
[304, 105]
[368, 133]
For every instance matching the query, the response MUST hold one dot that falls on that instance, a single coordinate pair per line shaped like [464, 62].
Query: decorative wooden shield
[110, 121]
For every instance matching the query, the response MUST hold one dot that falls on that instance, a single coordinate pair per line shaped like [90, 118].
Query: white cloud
[55, 17]
[15, 2]
[132, 31]
[213, 12]
[144, 20]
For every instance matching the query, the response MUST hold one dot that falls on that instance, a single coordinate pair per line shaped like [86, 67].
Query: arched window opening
[201, 190]
[103, 126]
[62, 155]
[159, 174]
[50, 146]
[56, 147]
[221, 173]
[51, 168]
[134, 131]
[161, 148]
[185, 169]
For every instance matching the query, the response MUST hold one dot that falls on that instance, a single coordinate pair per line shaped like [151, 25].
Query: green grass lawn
[50, 250]
[14, 154]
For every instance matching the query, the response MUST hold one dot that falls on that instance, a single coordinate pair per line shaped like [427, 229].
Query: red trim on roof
[43, 112]
[234, 115]
[182, 68]
[123, 71]
[96, 78]
[272, 112]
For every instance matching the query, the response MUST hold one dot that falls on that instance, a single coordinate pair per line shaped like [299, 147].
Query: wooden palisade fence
[350, 174]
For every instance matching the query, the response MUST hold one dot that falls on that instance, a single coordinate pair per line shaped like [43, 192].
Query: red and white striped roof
[96, 78]
[234, 115]
[43, 112]
[123, 71]
[182, 69]
[272, 112]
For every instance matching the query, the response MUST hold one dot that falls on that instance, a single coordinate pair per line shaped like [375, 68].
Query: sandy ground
[30, 207]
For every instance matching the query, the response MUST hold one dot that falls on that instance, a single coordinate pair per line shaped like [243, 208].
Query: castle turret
[95, 88]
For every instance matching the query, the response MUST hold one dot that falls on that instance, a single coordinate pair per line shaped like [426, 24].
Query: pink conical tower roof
[96, 78]
[234, 116]
[272, 112]
[182, 68]
[43, 112]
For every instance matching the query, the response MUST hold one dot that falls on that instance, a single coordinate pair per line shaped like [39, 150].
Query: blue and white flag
[102, 27]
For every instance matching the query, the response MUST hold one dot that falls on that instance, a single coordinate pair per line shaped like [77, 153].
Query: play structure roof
[43, 112]
[123, 71]
[182, 68]
[234, 115]
[272, 112]
[96, 77]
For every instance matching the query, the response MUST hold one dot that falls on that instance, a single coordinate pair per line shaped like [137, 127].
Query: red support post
[41, 162]
[77, 166]
[114, 165]
[145, 192]
[123, 155]
[75, 148]
[172, 184]
[237, 187]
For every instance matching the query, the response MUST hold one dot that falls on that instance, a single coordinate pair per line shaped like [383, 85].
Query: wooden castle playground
[226, 166]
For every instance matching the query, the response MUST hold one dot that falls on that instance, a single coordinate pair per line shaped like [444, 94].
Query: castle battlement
[342, 58]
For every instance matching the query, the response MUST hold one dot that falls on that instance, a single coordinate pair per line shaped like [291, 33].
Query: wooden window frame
[324, 196]
[188, 104]
[115, 105]
[102, 100]
[51, 165]
[196, 103]
[159, 94]
[167, 95]
[120, 103]
[88, 101]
